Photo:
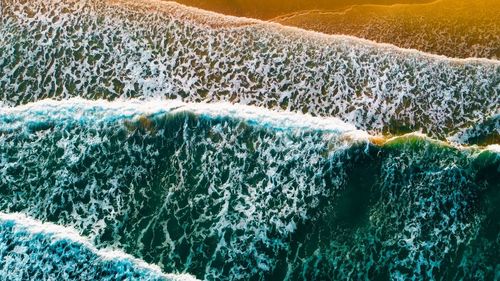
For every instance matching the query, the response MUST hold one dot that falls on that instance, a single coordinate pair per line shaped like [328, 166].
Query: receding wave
[465, 28]
[226, 191]
[122, 49]
[268, 9]
[31, 250]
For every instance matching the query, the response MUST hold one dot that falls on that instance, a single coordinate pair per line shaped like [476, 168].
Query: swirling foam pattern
[111, 49]
[464, 28]
[232, 192]
[31, 250]
[234, 149]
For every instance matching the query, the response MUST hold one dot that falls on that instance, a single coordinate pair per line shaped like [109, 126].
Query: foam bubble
[230, 191]
[120, 49]
[34, 249]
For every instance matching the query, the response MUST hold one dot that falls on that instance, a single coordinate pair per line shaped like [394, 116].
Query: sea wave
[130, 49]
[30, 249]
[234, 192]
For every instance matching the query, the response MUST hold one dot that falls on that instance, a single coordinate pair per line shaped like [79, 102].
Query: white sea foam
[494, 148]
[23, 224]
[216, 20]
[222, 190]
[109, 50]
[214, 194]
[134, 108]
[247, 169]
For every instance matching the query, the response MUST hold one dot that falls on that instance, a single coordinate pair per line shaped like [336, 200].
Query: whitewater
[128, 49]
[145, 140]
[218, 190]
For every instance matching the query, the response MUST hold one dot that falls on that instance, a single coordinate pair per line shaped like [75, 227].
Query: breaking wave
[31, 250]
[226, 191]
[129, 49]
[223, 148]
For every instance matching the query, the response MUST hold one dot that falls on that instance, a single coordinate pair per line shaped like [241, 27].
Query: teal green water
[197, 193]
[94, 50]
[204, 147]
[29, 253]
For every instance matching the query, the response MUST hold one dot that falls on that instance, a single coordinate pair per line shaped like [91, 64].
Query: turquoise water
[216, 194]
[89, 49]
[48, 252]
[157, 143]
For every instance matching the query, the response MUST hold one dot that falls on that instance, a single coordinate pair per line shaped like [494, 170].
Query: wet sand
[454, 28]
[469, 28]
[268, 9]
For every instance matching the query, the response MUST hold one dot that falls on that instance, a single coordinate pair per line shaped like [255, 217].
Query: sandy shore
[465, 28]
[268, 9]
[469, 28]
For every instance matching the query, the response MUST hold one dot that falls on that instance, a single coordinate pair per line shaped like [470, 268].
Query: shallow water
[151, 141]
[110, 50]
[452, 28]
[269, 9]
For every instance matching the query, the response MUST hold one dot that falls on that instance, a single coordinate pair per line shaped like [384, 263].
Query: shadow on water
[338, 218]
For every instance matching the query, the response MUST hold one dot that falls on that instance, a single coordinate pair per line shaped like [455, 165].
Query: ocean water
[31, 250]
[93, 49]
[464, 28]
[223, 191]
[151, 141]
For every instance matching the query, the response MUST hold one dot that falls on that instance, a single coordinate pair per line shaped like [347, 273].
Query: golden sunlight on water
[455, 28]
[268, 9]
[469, 28]
[149, 140]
